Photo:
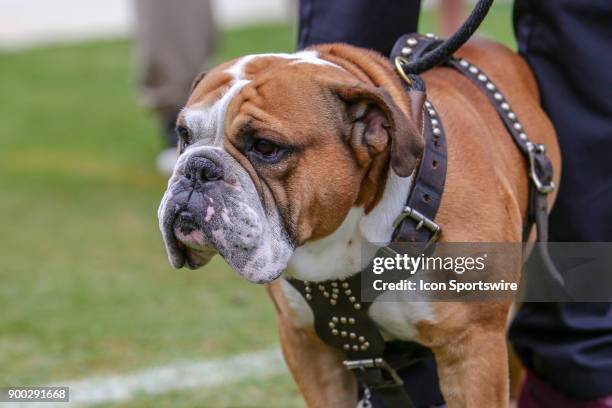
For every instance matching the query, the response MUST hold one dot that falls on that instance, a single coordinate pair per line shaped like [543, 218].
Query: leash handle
[448, 47]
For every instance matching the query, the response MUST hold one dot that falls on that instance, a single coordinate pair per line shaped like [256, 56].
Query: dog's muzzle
[211, 206]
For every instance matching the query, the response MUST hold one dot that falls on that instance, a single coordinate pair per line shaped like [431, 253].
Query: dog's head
[276, 149]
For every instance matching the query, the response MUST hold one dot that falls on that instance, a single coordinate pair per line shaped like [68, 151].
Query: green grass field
[86, 288]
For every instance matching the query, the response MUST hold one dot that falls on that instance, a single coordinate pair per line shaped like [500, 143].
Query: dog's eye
[265, 148]
[184, 137]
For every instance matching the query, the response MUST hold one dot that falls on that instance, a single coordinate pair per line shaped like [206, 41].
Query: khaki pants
[174, 39]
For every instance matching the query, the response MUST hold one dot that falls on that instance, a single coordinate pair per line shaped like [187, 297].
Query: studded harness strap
[341, 319]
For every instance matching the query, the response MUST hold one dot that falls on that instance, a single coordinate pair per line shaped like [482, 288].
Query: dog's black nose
[202, 170]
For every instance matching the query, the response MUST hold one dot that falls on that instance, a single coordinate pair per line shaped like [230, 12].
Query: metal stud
[335, 319]
[406, 51]
[321, 287]
[352, 335]
[518, 126]
[511, 116]
[505, 106]
[490, 86]
[352, 299]
[335, 290]
[361, 339]
[411, 42]
[345, 285]
[363, 347]
[334, 284]
[436, 131]
[430, 35]
[308, 289]
[431, 112]
[523, 136]
[343, 333]
[482, 77]
[346, 346]
[331, 325]
[351, 320]
[428, 104]
[434, 122]
[326, 294]
[308, 296]
[343, 320]
[332, 301]
[348, 292]
[356, 347]
[498, 96]
[473, 70]
[367, 344]
[464, 63]
[334, 296]
[357, 306]
[335, 332]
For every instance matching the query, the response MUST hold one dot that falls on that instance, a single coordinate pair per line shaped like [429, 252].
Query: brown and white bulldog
[291, 164]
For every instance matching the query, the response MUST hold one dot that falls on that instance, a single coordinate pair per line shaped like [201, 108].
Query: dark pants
[568, 44]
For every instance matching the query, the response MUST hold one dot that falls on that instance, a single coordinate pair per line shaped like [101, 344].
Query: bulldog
[291, 164]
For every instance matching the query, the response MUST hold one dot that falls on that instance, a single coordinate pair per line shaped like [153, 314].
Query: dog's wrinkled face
[275, 150]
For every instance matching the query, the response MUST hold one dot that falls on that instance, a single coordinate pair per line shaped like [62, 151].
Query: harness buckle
[532, 151]
[362, 365]
[421, 221]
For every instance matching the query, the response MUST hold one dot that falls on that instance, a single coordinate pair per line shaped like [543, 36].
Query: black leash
[447, 48]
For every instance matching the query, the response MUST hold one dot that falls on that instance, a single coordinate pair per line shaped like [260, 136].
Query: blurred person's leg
[451, 14]
[568, 43]
[375, 25]
[173, 43]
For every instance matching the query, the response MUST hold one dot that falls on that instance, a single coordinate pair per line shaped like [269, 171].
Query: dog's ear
[197, 80]
[378, 124]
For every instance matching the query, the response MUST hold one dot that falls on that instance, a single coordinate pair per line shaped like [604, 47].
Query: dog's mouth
[196, 226]
[187, 231]
[191, 245]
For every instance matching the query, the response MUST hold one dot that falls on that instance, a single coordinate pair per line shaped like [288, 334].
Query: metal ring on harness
[399, 61]
[532, 151]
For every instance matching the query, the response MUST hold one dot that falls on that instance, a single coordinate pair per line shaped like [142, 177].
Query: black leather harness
[341, 319]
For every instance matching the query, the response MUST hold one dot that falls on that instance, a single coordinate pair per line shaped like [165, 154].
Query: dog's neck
[341, 254]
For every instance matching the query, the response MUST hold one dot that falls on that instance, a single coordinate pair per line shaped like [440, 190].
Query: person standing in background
[173, 44]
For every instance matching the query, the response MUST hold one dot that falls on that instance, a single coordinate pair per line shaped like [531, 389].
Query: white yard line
[159, 380]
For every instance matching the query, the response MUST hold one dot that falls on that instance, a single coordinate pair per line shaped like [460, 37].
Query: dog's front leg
[316, 367]
[473, 370]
